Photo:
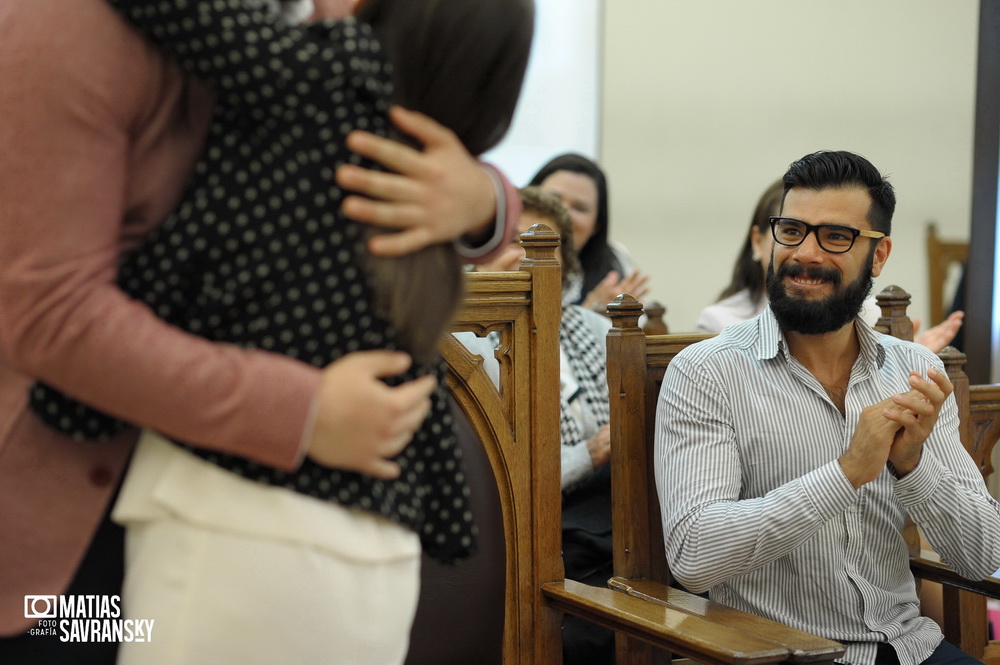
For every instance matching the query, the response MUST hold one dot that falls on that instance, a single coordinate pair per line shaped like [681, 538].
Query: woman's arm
[69, 120]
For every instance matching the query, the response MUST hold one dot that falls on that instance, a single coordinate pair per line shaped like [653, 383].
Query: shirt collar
[771, 341]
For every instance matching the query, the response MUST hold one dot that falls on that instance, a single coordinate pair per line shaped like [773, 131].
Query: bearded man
[791, 448]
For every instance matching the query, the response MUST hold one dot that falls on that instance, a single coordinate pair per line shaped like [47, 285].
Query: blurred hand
[599, 447]
[431, 196]
[940, 335]
[509, 259]
[361, 423]
[612, 286]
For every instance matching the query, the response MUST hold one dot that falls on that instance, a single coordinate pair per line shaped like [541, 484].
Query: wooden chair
[963, 601]
[942, 255]
[655, 324]
[651, 618]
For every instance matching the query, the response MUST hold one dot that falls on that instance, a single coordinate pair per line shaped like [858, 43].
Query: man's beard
[817, 317]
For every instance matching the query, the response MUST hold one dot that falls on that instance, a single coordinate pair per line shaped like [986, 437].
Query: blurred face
[511, 257]
[578, 194]
[761, 242]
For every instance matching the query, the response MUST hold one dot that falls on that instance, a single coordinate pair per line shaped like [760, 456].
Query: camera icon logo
[40, 607]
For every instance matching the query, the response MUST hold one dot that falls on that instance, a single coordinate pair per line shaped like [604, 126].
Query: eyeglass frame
[812, 228]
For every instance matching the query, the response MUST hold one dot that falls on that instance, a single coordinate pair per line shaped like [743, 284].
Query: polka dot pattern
[257, 253]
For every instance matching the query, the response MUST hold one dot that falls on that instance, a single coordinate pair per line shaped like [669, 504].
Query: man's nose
[810, 250]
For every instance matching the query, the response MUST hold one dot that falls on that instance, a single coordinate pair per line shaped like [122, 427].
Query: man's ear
[882, 252]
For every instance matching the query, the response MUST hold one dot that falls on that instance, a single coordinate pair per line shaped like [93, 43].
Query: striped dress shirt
[757, 511]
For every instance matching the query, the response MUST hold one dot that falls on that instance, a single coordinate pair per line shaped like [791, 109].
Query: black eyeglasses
[831, 237]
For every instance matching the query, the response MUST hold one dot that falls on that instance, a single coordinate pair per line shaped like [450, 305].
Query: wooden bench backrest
[942, 255]
[518, 427]
[636, 366]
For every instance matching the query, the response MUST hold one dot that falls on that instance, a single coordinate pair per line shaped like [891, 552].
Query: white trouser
[234, 571]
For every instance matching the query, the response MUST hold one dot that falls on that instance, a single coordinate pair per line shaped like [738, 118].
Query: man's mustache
[809, 272]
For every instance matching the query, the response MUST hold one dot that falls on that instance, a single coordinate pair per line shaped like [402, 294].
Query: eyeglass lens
[792, 232]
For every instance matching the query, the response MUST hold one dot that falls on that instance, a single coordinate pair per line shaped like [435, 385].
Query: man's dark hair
[839, 168]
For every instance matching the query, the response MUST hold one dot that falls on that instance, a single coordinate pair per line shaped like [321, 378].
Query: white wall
[560, 102]
[705, 102]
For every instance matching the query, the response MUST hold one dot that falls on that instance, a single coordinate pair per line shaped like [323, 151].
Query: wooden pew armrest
[927, 565]
[802, 647]
[687, 629]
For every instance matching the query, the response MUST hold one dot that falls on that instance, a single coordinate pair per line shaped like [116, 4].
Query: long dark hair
[461, 62]
[596, 257]
[747, 273]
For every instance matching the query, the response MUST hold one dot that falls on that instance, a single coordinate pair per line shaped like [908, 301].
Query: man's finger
[918, 405]
[941, 380]
[928, 390]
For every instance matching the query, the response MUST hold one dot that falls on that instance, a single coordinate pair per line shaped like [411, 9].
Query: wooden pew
[942, 256]
[636, 364]
[513, 432]
[652, 619]
[963, 601]
[516, 428]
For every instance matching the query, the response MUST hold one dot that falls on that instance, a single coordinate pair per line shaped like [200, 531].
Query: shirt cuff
[918, 485]
[829, 490]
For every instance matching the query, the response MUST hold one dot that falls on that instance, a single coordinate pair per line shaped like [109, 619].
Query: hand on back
[429, 196]
[362, 423]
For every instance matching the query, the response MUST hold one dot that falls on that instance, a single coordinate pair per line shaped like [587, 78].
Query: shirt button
[100, 476]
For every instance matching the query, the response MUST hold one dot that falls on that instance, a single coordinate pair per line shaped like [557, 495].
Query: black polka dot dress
[257, 253]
